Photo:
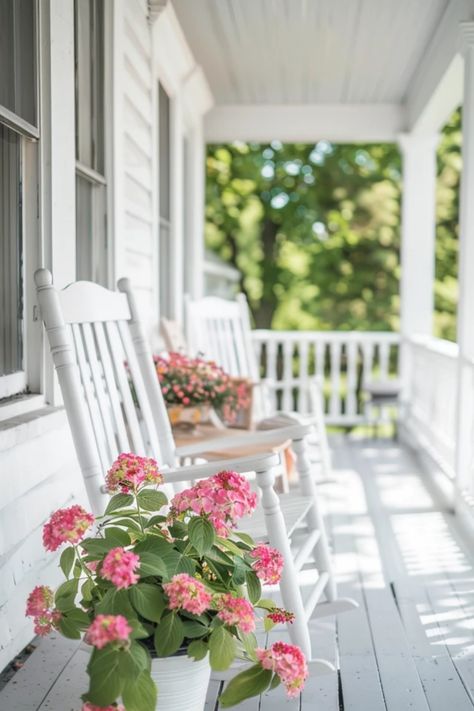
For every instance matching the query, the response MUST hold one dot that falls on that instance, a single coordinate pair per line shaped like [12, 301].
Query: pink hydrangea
[40, 606]
[46, 622]
[66, 526]
[223, 498]
[92, 707]
[268, 563]
[278, 615]
[187, 593]
[119, 567]
[40, 600]
[236, 611]
[288, 662]
[129, 471]
[106, 629]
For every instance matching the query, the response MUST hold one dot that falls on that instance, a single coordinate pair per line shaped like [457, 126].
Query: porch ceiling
[309, 51]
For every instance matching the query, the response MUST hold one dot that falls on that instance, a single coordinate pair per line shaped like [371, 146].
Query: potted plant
[192, 386]
[163, 592]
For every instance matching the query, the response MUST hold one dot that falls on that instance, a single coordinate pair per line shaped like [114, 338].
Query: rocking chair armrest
[270, 437]
[258, 463]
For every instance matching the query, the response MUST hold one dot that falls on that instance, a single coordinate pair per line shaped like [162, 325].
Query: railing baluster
[271, 369]
[287, 375]
[384, 354]
[303, 377]
[351, 400]
[335, 399]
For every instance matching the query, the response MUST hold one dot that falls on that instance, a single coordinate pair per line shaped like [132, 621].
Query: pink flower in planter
[279, 615]
[40, 606]
[46, 622]
[288, 662]
[129, 471]
[106, 629]
[268, 563]
[223, 498]
[40, 600]
[187, 593]
[119, 567]
[92, 707]
[236, 611]
[66, 526]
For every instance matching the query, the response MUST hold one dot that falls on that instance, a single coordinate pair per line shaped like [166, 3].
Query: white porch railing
[344, 361]
[431, 398]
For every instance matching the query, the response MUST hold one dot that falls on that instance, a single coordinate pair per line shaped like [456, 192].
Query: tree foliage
[315, 230]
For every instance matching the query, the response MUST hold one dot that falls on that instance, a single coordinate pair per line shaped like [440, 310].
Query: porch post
[417, 242]
[465, 315]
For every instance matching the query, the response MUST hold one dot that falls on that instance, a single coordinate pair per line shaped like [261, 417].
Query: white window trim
[24, 389]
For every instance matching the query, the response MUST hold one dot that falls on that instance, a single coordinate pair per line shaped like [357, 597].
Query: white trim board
[334, 122]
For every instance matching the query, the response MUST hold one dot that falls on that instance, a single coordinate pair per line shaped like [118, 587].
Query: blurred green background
[315, 230]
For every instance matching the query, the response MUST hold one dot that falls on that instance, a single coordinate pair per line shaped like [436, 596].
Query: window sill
[28, 425]
[20, 406]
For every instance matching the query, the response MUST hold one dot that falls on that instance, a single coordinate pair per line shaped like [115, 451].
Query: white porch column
[418, 233]
[417, 244]
[465, 322]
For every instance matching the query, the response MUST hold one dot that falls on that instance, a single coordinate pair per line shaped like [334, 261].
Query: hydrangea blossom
[129, 471]
[66, 526]
[223, 498]
[92, 707]
[106, 629]
[39, 600]
[288, 662]
[119, 567]
[187, 593]
[279, 615]
[40, 606]
[236, 611]
[268, 563]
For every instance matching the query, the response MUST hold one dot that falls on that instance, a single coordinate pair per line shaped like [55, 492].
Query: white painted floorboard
[409, 646]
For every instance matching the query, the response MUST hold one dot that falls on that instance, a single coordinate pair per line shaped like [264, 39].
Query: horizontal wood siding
[139, 233]
[38, 474]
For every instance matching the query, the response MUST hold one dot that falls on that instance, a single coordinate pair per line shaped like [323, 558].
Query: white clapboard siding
[39, 474]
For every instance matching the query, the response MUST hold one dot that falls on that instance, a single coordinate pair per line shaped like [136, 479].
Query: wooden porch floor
[409, 646]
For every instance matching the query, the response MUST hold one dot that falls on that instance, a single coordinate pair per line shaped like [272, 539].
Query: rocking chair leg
[290, 591]
[315, 518]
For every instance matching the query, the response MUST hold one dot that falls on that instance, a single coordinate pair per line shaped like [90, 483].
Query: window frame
[165, 269]
[101, 206]
[25, 384]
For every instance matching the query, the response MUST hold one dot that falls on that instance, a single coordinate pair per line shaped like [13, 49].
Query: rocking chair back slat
[100, 384]
[104, 356]
[88, 379]
[137, 444]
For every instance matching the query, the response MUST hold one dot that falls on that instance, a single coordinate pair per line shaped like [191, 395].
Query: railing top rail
[439, 346]
[328, 336]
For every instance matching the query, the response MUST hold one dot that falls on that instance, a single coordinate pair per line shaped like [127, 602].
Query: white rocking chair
[98, 347]
[221, 330]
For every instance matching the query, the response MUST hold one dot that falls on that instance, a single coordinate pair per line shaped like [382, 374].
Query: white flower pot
[182, 683]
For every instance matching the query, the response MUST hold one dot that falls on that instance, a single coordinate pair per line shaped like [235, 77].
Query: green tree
[314, 230]
[447, 230]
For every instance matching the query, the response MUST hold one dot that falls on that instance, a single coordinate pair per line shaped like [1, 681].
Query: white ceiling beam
[436, 87]
[343, 123]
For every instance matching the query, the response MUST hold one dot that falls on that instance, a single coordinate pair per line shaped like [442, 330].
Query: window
[18, 123]
[91, 186]
[165, 245]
